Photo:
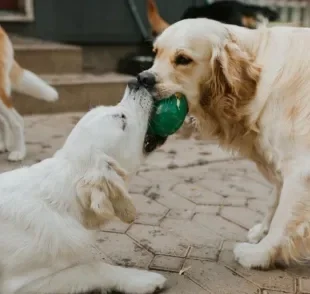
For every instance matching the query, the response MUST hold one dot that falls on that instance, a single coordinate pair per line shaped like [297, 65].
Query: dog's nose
[133, 84]
[147, 79]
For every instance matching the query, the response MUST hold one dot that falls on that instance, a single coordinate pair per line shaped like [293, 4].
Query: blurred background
[87, 49]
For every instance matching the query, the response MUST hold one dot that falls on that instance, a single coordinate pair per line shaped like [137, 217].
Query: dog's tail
[26, 82]
[158, 24]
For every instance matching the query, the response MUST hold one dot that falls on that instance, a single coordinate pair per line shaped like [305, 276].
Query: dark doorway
[9, 5]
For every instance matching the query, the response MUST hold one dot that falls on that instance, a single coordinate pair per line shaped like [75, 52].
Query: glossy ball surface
[169, 115]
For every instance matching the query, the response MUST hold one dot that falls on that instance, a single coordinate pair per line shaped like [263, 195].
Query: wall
[93, 21]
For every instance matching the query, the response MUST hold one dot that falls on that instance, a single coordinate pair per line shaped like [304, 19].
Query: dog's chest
[273, 148]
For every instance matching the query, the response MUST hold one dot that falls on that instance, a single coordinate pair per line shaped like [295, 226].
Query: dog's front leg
[96, 276]
[259, 231]
[287, 236]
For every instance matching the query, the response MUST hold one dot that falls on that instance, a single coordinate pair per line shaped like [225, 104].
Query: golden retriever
[251, 90]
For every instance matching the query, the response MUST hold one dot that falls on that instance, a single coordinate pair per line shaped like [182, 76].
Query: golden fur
[4, 52]
[250, 89]
[14, 77]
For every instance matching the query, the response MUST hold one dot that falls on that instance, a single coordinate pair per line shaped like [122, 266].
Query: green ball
[169, 115]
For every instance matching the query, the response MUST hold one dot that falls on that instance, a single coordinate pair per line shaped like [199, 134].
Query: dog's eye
[123, 116]
[182, 60]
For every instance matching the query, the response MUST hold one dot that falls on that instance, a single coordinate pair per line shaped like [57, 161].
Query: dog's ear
[103, 194]
[118, 194]
[233, 82]
[158, 25]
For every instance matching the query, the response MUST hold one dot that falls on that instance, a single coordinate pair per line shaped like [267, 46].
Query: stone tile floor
[194, 201]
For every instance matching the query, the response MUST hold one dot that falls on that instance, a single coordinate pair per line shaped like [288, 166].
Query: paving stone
[226, 255]
[241, 216]
[234, 201]
[228, 245]
[237, 186]
[304, 285]
[276, 280]
[207, 151]
[197, 194]
[7, 166]
[195, 234]
[204, 252]
[160, 160]
[159, 240]
[257, 205]
[180, 214]
[221, 226]
[97, 254]
[180, 284]
[208, 209]
[272, 292]
[167, 263]
[173, 154]
[257, 176]
[195, 173]
[217, 278]
[232, 168]
[148, 211]
[139, 185]
[161, 180]
[299, 270]
[169, 199]
[115, 226]
[122, 250]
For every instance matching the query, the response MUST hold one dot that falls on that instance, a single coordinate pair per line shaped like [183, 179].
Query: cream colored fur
[251, 90]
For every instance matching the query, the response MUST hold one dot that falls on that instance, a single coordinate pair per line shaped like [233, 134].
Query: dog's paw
[143, 282]
[252, 255]
[256, 233]
[17, 155]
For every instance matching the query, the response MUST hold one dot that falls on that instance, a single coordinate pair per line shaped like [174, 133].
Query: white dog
[46, 210]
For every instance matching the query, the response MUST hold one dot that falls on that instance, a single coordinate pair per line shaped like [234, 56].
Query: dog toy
[169, 115]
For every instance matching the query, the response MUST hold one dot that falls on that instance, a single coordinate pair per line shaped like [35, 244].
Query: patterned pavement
[194, 201]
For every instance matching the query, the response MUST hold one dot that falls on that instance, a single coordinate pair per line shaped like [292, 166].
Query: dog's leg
[264, 254]
[19, 148]
[16, 124]
[2, 138]
[7, 134]
[259, 231]
[96, 275]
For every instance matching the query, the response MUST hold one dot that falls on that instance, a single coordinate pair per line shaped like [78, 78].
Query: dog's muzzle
[147, 79]
[151, 141]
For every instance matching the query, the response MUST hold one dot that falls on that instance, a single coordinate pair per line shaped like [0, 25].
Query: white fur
[45, 209]
[32, 85]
